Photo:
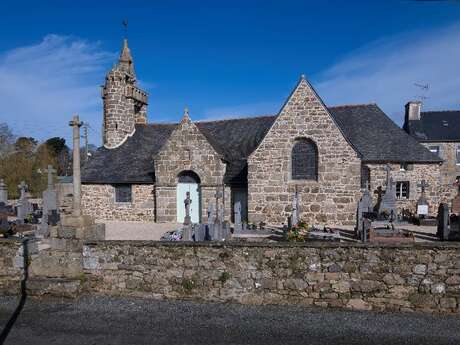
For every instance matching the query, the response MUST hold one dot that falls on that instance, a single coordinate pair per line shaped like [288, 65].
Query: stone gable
[332, 198]
[186, 149]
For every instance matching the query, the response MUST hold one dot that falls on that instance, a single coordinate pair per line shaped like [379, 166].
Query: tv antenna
[424, 89]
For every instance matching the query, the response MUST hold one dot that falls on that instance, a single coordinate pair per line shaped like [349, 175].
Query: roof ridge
[352, 105]
[236, 118]
[440, 111]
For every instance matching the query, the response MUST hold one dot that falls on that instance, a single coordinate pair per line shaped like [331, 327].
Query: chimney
[413, 110]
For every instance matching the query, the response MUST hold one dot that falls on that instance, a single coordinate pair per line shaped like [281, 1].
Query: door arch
[188, 181]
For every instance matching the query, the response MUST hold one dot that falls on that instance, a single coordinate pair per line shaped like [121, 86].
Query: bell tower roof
[126, 60]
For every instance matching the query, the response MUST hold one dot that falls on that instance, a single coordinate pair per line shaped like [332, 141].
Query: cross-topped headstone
[76, 124]
[23, 188]
[422, 203]
[24, 207]
[50, 172]
[388, 203]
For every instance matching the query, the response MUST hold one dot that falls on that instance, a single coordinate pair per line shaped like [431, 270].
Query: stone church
[326, 155]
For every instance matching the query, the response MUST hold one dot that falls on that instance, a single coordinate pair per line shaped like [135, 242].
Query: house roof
[372, 134]
[436, 126]
[377, 138]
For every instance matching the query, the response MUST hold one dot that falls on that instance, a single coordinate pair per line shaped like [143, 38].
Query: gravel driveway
[103, 320]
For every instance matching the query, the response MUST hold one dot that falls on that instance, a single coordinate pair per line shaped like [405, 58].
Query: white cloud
[42, 85]
[385, 72]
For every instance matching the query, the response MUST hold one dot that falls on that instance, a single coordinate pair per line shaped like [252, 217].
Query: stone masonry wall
[416, 277]
[330, 200]
[186, 150]
[435, 193]
[11, 263]
[119, 118]
[449, 169]
[98, 200]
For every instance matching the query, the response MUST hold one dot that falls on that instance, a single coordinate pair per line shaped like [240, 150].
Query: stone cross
[76, 124]
[388, 202]
[24, 207]
[422, 203]
[3, 192]
[187, 202]
[50, 172]
[237, 213]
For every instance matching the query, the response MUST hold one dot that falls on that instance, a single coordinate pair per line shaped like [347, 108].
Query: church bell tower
[125, 105]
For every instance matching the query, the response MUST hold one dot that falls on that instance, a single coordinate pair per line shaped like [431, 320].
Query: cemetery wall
[417, 277]
[186, 150]
[98, 200]
[435, 193]
[332, 199]
[10, 266]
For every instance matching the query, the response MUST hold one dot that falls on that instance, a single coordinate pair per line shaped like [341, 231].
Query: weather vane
[125, 26]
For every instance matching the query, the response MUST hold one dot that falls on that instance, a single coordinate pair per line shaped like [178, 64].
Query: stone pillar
[76, 124]
[3, 192]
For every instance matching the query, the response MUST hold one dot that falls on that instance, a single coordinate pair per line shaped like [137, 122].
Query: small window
[434, 149]
[403, 167]
[402, 190]
[365, 177]
[458, 155]
[123, 193]
[304, 159]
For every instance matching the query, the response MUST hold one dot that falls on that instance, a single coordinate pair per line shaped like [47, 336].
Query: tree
[61, 152]
[6, 139]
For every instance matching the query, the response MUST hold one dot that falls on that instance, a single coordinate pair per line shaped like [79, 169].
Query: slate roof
[440, 126]
[373, 135]
[377, 138]
[131, 162]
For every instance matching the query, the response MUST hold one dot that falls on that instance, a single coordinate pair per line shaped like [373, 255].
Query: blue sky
[223, 58]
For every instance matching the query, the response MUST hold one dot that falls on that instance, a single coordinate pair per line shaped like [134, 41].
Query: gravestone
[199, 232]
[24, 208]
[3, 192]
[49, 205]
[443, 222]
[211, 214]
[187, 202]
[187, 233]
[364, 206]
[237, 210]
[422, 203]
[456, 200]
[388, 204]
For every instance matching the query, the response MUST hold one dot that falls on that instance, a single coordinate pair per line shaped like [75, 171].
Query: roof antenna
[424, 89]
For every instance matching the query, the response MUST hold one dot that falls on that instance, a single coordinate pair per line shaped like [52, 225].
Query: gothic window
[123, 193]
[402, 190]
[304, 160]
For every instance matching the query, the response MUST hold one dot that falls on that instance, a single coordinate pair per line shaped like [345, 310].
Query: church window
[402, 190]
[304, 160]
[123, 193]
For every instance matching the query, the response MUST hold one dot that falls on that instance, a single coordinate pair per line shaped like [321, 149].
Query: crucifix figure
[76, 124]
[187, 203]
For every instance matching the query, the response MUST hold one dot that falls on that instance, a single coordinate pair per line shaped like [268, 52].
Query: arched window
[304, 160]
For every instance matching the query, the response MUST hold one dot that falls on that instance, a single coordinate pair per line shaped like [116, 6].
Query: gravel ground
[104, 320]
[137, 230]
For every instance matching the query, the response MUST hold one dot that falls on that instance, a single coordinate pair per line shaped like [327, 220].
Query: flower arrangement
[298, 233]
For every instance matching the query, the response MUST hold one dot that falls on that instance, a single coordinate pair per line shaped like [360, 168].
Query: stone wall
[98, 200]
[11, 263]
[329, 200]
[416, 277]
[431, 173]
[186, 150]
[448, 152]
